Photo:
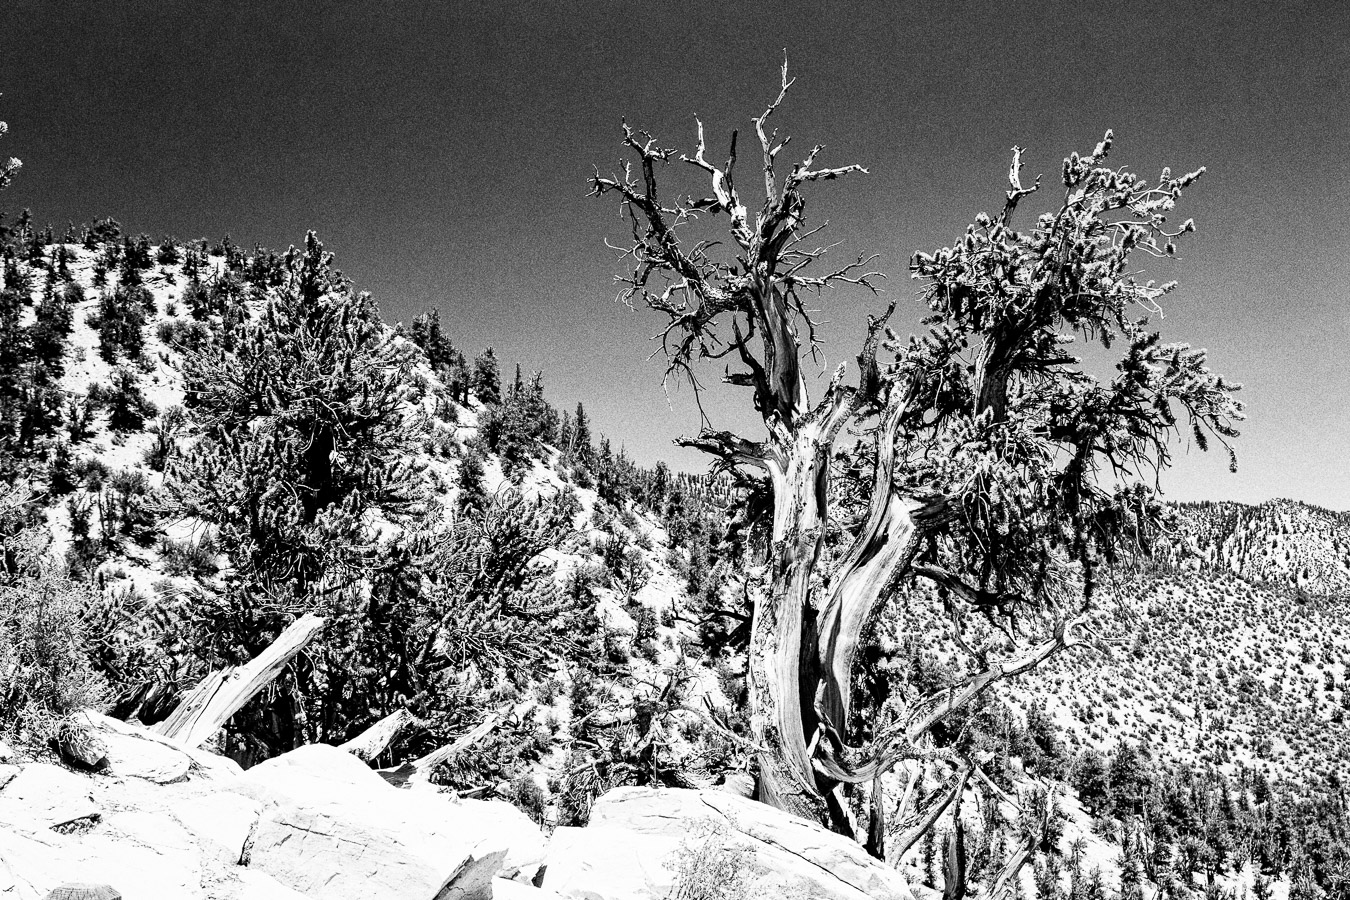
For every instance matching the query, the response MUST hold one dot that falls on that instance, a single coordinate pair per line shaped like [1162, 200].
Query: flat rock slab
[221, 822]
[44, 796]
[600, 862]
[783, 849]
[337, 830]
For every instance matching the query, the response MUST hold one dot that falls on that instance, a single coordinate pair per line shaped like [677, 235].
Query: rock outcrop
[636, 837]
[334, 828]
[157, 820]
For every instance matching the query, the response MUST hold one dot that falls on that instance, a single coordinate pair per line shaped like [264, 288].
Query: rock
[7, 774]
[505, 889]
[339, 831]
[600, 862]
[45, 796]
[220, 822]
[32, 864]
[83, 890]
[211, 765]
[783, 850]
[80, 744]
[6, 752]
[136, 752]
[740, 784]
[259, 886]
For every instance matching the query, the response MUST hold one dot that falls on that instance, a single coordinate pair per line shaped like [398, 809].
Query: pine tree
[305, 442]
[472, 492]
[426, 333]
[1089, 778]
[487, 378]
[579, 447]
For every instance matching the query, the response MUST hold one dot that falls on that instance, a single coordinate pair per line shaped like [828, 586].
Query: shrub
[529, 797]
[194, 558]
[708, 866]
[45, 672]
[127, 407]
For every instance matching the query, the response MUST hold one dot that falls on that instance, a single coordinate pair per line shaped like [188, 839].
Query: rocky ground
[155, 819]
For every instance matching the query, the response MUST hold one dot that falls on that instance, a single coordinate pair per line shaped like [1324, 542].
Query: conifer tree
[306, 432]
[487, 378]
[579, 447]
[1004, 472]
[426, 333]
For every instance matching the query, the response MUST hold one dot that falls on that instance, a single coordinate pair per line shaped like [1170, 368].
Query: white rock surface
[787, 852]
[254, 885]
[220, 822]
[339, 831]
[44, 796]
[506, 889]
[318, 823]
[136, 752]
[601, 862]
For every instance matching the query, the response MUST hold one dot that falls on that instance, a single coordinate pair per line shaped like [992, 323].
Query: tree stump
[82, 891]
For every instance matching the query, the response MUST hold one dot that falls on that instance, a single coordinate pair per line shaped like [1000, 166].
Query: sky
[441, 150]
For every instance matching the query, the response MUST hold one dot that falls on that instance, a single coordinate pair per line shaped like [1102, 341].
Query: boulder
[134, 751]
[211, 765]
[781, 851]
[81, 745]
[334, 828]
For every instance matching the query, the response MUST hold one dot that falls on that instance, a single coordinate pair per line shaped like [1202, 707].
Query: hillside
[588, 603]
[1212, 670]
[1281, 542]
[581, 531]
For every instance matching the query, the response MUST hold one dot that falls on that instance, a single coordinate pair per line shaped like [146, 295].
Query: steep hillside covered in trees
[211, 442]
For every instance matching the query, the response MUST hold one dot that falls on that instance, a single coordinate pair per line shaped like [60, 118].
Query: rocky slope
[155, 820]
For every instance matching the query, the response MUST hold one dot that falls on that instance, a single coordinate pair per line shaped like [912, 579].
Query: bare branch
[730, 450]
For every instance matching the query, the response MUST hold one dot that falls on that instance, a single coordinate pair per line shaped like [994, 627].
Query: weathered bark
[954, 871]
[876, 820]
[376, 739]
[916, 825]
[774, 672]
[222, 693]
[887, 542]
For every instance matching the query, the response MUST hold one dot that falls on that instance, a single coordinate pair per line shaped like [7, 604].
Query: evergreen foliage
[487, 378]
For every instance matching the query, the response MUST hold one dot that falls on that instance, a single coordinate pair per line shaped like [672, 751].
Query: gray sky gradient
[441, 150]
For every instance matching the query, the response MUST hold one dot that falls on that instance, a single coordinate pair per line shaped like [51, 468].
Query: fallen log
[376, 739]
[420, 769]
[222, 693]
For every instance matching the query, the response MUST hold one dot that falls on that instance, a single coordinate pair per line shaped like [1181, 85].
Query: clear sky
[441, 150]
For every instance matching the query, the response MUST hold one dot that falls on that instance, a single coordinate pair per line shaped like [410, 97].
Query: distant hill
[1280, 542]
[1210, 669]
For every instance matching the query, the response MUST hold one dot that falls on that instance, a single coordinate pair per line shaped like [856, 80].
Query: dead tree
[991, 439]
[224, 692]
